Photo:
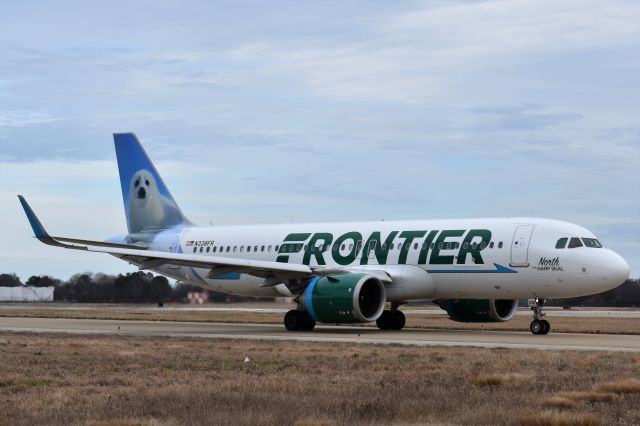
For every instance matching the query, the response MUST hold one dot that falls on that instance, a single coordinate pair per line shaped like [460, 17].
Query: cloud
[23, 118]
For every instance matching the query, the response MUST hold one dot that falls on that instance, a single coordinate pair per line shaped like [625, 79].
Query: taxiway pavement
[322, 333]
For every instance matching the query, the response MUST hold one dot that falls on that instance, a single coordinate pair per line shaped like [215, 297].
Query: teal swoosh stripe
[499, 270]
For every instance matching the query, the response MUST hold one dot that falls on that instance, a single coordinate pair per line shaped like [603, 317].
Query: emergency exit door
[520, 245]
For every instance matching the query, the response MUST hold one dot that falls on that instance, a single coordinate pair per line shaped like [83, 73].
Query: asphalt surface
[414, 337]
[264, 309]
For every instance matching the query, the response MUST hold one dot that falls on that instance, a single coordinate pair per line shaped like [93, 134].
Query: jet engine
[479, 310]
[347, 298]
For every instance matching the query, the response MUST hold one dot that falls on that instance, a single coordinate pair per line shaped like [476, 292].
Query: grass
[621, 386]
[554, 418]
[431, 321]
[501, 379]
[131, 381]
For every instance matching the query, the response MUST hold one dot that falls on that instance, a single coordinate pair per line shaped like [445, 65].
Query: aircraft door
[520, 245]
[174, 247]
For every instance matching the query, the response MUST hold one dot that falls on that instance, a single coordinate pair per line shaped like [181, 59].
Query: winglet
[38, 229]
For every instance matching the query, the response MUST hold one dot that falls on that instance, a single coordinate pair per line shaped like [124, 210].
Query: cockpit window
[562, 243]
[591, 242]
[575, 242]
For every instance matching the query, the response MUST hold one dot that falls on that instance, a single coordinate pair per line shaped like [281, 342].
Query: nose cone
[615, 269]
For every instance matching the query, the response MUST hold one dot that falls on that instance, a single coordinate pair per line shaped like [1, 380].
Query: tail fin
[148, 204]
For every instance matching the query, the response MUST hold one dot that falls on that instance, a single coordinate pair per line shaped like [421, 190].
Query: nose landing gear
[538, 325]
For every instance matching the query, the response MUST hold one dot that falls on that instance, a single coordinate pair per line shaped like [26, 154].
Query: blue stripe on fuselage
[499, 270]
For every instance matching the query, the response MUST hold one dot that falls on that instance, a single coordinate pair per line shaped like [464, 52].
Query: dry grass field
[96, 380]
[519, 323]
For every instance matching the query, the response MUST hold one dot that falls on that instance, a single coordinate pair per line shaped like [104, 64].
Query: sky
[279, 112]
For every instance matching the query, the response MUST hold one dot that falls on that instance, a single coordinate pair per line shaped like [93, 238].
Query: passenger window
[248, 249]
[214, 249]
[241, 249]
[235, 248]
[335, 248]
[415, 246]
[465, 245]
[383, 246]
[207, 249]
[575, 242]
[491, 245]
[483, 245]
[276, 248]
[195, 249]
[500, 244]
[200, 249]
[262, 248]
[269, 248]
[372, 245]
[424, 247]
[474, 245]
[440, 245]
[305, 247]
[433, 245]
[562, 243]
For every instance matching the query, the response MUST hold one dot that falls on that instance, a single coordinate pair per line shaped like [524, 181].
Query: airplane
[356, 272]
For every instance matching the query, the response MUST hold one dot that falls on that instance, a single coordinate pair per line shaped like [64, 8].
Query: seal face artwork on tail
[148, 203]
[148, 208]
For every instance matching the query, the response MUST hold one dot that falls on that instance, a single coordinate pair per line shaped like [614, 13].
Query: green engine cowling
[347, 298]
[479, 310]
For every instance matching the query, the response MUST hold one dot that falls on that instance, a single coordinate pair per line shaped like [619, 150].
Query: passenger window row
[295, 248]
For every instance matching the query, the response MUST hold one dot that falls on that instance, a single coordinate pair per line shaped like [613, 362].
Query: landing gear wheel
[308, 323]
[296, 320]
[546, 327]
[398, 320]
[385, 320]
[391, 320]
[538, 325]
[292, 320]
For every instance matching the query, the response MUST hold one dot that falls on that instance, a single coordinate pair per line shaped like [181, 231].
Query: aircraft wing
[217, 265]
[148, 259]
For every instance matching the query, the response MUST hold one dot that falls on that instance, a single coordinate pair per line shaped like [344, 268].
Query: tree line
[144, 287]
[134, 287]
[626, 295]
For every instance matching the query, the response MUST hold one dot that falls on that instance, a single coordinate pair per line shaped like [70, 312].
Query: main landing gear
[538, 325]
[391, 319]
[296, 320]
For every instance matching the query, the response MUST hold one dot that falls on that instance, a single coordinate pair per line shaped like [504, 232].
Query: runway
[550, 311]
[346, 334]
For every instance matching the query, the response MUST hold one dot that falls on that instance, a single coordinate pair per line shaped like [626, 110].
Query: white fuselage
[504, 258]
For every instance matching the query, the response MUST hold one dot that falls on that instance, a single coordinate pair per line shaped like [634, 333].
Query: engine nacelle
[344, 298]
[479, 310]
